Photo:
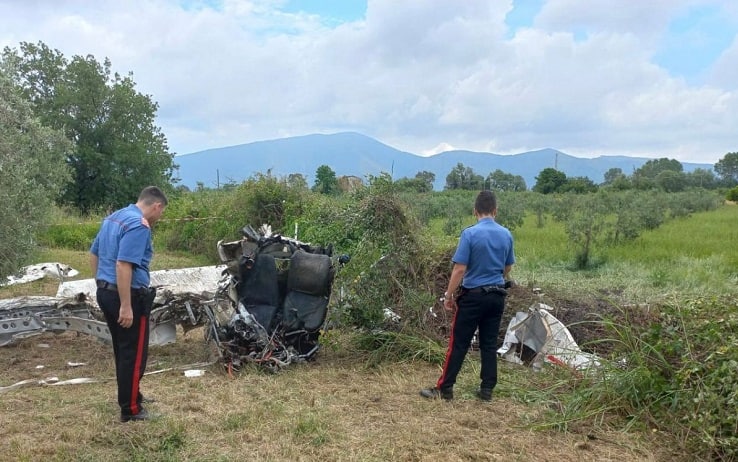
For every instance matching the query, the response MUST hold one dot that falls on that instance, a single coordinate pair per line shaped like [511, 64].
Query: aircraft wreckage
[265, 304]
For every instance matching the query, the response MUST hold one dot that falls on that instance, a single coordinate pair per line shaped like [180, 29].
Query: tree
[296, 181]
[653, 167]
[501, 181]
[462, 177]
[325, 180]
[549, 181]
[32, 174]
[578, 184]
[701, 178]
[613, 175]
[426, 177]
[118, 149]
[671, 181]
[727, 168]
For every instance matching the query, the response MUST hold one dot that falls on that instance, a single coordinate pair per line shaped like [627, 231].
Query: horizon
[637, 79]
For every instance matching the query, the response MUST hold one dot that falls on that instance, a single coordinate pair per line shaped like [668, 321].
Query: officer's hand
[125, 316]
[449, 304]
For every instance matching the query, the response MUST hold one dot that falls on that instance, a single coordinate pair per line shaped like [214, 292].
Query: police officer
[120, 256]
[482, 264]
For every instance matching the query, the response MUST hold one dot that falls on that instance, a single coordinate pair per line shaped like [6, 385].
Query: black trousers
[481, 311]
[130, 346]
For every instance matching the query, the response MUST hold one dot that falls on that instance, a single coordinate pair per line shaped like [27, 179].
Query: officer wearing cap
[120, 256]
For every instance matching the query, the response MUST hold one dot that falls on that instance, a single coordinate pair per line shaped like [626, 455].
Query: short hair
[486, 202]
[151, 195]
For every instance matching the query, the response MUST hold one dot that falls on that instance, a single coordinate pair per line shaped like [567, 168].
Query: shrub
[676, 374]
[73, 236]
[732, 194]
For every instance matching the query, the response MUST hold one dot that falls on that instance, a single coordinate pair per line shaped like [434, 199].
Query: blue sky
[598, 77]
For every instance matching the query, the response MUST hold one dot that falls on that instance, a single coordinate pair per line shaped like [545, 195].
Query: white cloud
[411, 74]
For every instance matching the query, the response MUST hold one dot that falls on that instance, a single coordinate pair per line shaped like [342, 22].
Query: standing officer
[482, 264]
[120, 258]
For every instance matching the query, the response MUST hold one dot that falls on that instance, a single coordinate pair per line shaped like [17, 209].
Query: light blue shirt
[125, 235]
[485, 248]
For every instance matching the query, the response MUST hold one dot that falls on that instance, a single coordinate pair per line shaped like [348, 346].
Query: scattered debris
[537, 336]
[266, 304]
[39, 271]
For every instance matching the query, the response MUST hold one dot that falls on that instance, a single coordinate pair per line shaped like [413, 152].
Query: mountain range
[358, 155]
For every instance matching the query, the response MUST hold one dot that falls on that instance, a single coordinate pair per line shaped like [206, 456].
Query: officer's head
[152, 202]
[486, 203]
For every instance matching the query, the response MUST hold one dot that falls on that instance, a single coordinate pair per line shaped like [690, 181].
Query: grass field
[339, 408]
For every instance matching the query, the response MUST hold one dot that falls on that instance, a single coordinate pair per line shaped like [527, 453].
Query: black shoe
[485, 394]
[141, 416]
[435, 393]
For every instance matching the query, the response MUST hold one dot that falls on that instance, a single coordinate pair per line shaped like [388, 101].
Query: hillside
[359, 155]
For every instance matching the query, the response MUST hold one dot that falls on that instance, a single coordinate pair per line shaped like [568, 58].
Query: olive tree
[32, 174]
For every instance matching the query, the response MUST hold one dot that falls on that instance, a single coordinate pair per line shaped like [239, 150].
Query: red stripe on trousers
[448, 351]
[137, 366]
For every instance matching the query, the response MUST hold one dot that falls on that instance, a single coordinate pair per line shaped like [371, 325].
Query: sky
[654, 79]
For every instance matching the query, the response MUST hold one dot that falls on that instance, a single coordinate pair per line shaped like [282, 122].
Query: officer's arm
[457, 274]
[124, 276]
[93, 264]
[506, 272]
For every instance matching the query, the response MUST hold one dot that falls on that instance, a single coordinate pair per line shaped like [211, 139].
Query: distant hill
[359, 155]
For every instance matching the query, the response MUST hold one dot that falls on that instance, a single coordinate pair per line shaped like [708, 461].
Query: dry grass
[335, 409]
[332, 409]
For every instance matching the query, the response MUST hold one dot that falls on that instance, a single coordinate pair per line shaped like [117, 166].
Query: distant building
[349, 183]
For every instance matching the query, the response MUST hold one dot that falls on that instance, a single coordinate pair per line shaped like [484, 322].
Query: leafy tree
[653, 167]
[501, 181]
[701, 178]
[297, 181]
[325, 180]
[579, 185]
[427, 177]
[117, 147]
[671, 181]
[612, 175]
[585, 218]
[32, 174]
[549, 181]
[412, 184]
[732, 194]
[727, 168]
[462, 177]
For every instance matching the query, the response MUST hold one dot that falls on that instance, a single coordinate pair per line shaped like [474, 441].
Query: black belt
[491, 289]
[112, 287]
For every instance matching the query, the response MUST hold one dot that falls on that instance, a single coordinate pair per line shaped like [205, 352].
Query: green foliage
[501, 181]
[32, 174]
[118, 150]
[586, 219]
[325, 180]
[727, 168]
[383, 346]
[549, 181]
[652, 168]
[732, 194]
[676, 374]
[462, 177]
[74, 236]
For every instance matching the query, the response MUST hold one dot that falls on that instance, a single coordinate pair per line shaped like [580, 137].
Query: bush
[732, 194]
[73, 236]
[676, 374]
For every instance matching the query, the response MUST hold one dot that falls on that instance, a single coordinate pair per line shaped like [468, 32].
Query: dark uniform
[125, 236]
[482, 260]
[485, 248]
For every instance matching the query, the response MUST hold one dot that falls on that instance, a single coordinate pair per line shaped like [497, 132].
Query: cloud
[411, 74]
